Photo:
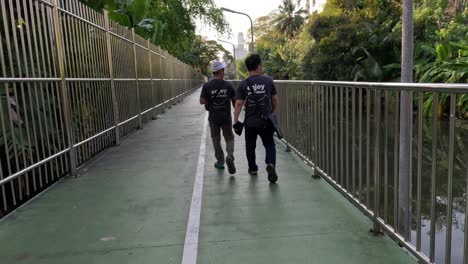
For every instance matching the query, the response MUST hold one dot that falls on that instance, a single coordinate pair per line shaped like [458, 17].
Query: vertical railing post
[465, 247]
[115, 105]
[167, 71]
[135, 61]
[63, 86]
[288, 149]
[186, 78]
[174, 81]
[315, 124]
[376, 230]
[153, 100]
[171, 80]
[179, 86]
[161, 79]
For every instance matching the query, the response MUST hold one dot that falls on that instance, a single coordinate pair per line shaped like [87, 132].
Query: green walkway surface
[131, 205]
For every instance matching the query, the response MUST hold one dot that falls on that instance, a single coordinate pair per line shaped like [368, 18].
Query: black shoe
[253, 172]
[230, 165]
[272, 176]
[219, 165]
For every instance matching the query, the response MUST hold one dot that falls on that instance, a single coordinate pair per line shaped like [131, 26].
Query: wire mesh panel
[122, 53]
[146, 98]
[145, 83]
[156, 67]
[31, 123]
[69, 85]
[164, 76]
[84, 39]
[81, 11]
[128, 109]
[125, 78]
[142, 58]
[84, 45]
[91, 113]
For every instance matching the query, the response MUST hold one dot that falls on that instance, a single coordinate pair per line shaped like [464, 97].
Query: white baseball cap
[217, 65]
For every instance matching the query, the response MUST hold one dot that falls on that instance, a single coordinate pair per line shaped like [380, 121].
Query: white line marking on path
[193, 225]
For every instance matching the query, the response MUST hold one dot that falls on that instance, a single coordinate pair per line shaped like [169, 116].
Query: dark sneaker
[219, 166]
[253, 172]
[230, 165]
[272, 176]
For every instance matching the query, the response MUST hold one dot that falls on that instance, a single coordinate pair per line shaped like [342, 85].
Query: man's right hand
[237, 110]
[238, 127]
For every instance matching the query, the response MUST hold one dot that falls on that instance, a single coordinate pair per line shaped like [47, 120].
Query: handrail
[349, 133]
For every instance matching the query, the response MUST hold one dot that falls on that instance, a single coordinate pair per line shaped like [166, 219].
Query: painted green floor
[132, 205]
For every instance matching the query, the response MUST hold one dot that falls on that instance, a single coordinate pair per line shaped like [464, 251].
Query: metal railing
[72, 83]
[350, 134]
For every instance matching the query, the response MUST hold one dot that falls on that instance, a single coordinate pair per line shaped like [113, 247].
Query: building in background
[241, 51]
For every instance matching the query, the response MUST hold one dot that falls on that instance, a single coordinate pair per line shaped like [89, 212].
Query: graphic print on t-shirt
[219, 95]
[256, 91]
[220, 100]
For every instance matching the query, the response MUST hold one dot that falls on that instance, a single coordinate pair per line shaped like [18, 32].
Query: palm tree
[290, 19]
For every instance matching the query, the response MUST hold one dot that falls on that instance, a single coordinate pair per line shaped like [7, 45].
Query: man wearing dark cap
[217, 95]
[258, 93]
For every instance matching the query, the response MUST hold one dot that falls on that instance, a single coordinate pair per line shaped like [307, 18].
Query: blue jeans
[266, 134]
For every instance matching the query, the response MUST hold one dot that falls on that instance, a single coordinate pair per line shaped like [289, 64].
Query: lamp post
[234, 54]
[406, 124]
[251, 26]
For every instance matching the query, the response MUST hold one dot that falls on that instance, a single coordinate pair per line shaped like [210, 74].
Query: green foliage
[290, 19]
[463, 104]
[281, 42]
[360, 40]
[167, 23]
[446, 63]
[24, 112]
[241, 69]
[202, 52]
[354, 40]
[442, 52]
[264, 28]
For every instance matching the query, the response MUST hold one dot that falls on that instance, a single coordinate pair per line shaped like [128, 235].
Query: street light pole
[251, 27]
[406, 123]
[233, 54]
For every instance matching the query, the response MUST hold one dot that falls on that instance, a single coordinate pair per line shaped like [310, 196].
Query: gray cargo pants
[228, 137]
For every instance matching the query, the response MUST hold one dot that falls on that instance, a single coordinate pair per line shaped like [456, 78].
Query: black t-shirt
[219, 95]
[256, 92]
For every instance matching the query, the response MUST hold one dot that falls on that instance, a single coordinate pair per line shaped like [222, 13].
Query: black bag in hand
[274, 122]
[238, 127]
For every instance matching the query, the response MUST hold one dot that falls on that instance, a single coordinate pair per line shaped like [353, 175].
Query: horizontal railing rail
[72, 83]
[349, 132]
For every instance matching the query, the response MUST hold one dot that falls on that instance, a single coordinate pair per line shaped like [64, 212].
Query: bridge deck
[132, 204]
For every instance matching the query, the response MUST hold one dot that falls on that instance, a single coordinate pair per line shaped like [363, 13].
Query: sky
[240, 23]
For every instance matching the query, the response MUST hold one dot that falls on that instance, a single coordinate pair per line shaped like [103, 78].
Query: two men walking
[258, 94]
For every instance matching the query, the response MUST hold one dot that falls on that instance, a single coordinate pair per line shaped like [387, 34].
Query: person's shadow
[275, 191]
[232, 182]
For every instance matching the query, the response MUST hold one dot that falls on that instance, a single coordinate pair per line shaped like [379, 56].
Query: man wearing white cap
[217, 95]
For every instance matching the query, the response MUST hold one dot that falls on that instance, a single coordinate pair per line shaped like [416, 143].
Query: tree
[290, 19]
[202, 53]
[354, 40]
[242, 71]
[167, 23]
[264, 27]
